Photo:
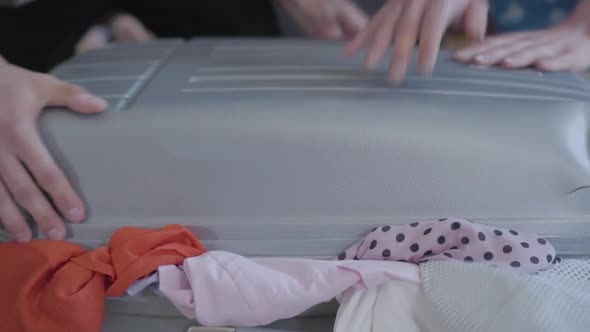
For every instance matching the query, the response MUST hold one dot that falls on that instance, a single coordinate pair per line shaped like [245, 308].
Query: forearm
[581, 16]
[2, 60]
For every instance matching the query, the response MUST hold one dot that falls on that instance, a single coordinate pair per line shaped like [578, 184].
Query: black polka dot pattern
[455, 239]
[400, 237]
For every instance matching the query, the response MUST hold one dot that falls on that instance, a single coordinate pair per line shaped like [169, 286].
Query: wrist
[579, 18]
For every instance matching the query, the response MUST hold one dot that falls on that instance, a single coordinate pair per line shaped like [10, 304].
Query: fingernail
[482, 33]
[55, 234]
[509, 61]
[97, 101]
[394, 81]
[371, 62]
[481, 58]
[75, 214]
[461, 55]
[22, 237]
[426, 70]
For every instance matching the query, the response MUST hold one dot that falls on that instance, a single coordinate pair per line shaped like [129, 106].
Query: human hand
[404, 22]
[326, 19]
[565, 47]
[27, 169]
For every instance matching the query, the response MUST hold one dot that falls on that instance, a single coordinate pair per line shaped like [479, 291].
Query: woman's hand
[565, 47]
[404, 22]
[27, 169]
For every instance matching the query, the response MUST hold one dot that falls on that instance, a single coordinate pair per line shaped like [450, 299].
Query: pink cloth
[455, 239]
[224, 289]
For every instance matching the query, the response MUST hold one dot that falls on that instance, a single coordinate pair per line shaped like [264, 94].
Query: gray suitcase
[284, 148]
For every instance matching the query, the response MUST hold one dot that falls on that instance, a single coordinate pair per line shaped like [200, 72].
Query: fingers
[351, 19]
[405, 39]
[434, 24]
[470, 53]
[383, 37]
[50, 178]
[11, 218]
[366, 35]
[26, 193]
[498, 54]
[530, 55]
[476, 19]
[59, 93]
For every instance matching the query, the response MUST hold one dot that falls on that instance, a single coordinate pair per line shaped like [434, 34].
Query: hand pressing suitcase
[284, 148]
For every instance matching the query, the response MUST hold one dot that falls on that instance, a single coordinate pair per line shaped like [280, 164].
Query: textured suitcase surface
[283, 147]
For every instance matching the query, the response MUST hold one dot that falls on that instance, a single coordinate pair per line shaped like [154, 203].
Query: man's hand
[326, 19]
[404, 22]
[26, 166]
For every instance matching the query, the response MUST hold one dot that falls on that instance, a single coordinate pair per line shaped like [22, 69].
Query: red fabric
[57, 286]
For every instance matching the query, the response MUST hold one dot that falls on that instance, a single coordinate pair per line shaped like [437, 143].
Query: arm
[26, 166]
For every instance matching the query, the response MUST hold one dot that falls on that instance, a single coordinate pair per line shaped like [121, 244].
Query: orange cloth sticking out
[55, 286]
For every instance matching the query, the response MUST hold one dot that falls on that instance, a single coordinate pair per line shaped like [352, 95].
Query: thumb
[76, 98]
[476, 19]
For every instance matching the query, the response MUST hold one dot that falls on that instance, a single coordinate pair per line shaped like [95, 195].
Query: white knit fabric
[572, 269]
[473, 297]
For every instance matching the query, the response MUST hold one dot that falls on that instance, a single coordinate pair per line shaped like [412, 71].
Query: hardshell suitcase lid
[283, 147]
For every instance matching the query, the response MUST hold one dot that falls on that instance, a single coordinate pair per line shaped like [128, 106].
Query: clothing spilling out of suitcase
[294, 165]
